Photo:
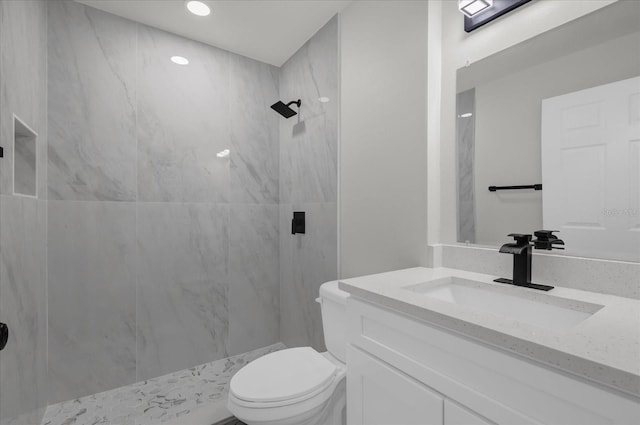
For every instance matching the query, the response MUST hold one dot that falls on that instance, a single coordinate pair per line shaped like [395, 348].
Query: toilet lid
[283, 375]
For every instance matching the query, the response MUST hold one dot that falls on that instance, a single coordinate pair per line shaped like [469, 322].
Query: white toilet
[298, 386]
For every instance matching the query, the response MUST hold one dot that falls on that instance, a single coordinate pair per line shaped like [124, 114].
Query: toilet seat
[296, 397]
[283, 378]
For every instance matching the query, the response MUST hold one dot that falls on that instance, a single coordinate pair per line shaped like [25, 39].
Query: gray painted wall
[23, 235]
[162, 256]
[383, 136]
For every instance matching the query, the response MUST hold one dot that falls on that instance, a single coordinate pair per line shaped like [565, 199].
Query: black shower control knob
[4, 335]
[298, 223]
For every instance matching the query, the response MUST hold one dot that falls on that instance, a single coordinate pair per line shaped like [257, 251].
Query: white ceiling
[270, 31]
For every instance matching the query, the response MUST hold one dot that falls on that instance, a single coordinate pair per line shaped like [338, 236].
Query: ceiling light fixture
[324, 99]
[223, 154]
[179, 60]
[472, 7]
[198, 8]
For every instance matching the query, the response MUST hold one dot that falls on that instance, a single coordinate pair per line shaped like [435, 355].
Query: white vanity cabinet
[458, 415]
[382, 395]
[405, 371]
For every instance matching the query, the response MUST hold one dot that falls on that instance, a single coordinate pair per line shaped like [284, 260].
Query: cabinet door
[457, 415]
[379, 394]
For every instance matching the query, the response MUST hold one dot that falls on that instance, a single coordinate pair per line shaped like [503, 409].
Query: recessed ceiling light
[467, 115]
[179, 60]
[198, 8]
[223, 154]
[323, 99]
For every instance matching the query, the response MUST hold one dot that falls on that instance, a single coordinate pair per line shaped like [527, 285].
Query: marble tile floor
[195, 396]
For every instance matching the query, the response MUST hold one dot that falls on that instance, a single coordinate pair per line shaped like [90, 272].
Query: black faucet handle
[521, 239]
[546, 239]
[546, 234]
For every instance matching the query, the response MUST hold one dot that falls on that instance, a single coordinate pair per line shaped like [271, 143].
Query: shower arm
[298, 103]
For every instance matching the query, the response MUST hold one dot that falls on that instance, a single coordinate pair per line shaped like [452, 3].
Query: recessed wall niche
[24, 159]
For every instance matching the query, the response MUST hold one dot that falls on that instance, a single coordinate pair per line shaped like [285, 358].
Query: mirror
[561, 110]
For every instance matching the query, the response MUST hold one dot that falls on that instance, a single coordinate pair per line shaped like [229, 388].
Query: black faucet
[521, 251]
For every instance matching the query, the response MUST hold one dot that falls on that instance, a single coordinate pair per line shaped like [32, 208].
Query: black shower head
[285, 110]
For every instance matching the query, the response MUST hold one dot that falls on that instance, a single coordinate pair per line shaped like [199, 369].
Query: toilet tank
[334, 319]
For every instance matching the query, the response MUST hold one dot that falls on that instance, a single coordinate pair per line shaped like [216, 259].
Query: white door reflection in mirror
[590, 169]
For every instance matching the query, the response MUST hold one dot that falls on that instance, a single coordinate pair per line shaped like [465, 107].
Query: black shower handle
[298, 222]
[4, 335]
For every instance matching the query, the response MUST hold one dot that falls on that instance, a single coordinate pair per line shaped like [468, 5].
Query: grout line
[136, 220]
[124, 202]
[45, 195]
[338, 147]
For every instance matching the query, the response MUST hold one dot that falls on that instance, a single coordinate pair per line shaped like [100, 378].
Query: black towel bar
[528, 186]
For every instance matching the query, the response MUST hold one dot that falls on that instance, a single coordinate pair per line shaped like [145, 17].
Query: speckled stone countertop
[604, 348]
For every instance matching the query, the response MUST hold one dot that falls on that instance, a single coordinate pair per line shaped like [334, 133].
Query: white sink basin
[519, 304]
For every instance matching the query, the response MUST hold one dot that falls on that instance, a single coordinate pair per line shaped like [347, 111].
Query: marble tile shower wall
[162, 256]
[23, 234]
[465, 155]
[308, 182]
